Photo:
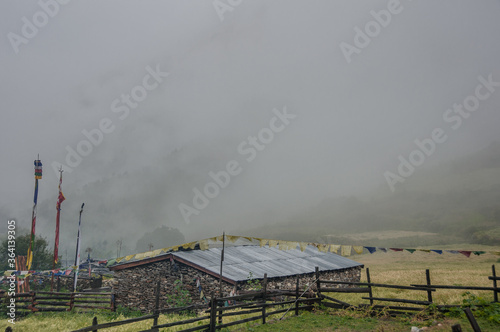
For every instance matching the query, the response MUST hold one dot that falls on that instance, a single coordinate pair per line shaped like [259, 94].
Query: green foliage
[253, 283]
[179, 297]
[481, 307]
[42, 255]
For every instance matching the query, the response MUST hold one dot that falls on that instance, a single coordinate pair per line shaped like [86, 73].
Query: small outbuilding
[197, 272]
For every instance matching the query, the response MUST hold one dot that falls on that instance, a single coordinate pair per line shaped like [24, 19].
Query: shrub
[179, 297]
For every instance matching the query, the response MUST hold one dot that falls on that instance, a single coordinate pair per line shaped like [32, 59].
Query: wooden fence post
[213, 312]
[472, 320]
[318, 283]
[495, 293]
[368, 279]
[264, 299]
[429, 291]
[157, 303]
[94, 323]
[72, 301]
[297, 297]
[33, 299]
[58, 288]
[456, 328]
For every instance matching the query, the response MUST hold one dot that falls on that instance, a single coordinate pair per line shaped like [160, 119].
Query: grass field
[400, 268]
[404, 268]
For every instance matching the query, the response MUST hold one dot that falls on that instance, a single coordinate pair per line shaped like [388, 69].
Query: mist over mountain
[278, 119]
[456, 200]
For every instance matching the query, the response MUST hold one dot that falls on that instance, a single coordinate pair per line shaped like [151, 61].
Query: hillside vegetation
[457, 202]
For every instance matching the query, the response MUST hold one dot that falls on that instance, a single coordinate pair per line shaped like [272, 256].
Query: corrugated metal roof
[239, 261]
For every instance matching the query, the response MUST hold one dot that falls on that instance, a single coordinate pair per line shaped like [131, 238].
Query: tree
[161, 237]
[43, 256]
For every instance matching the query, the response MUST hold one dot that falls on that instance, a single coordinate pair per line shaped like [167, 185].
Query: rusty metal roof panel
[240, 261]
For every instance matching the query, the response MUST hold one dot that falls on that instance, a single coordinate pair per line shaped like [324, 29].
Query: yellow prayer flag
[346, 250]
[334, 248]
[262, 242]
[358, 249]
[273, 243]
[204, 245]
[189, 245]
[232, 238]
[129, 257]
[303, 246]
[323, 247]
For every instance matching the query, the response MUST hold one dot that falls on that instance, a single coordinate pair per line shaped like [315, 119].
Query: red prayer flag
[465, 252]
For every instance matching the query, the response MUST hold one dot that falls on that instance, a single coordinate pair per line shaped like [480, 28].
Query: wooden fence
[259, 304]
[55, 301]
[408, 304]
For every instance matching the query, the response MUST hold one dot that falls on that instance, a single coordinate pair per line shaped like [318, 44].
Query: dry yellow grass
[69, 322]
[398, 268]
[404, 268]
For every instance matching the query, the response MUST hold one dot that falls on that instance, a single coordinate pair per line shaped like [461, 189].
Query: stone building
[197, 271]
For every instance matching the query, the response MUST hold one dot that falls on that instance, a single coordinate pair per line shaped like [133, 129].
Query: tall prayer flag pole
[60, 199]
[77, 256]
[38, 176]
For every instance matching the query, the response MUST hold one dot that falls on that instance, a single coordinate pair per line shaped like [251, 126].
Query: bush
[179, 297]
[253, 284]
[482, 308]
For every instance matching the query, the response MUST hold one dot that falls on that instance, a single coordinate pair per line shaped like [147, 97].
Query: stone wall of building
[38, 283]
[306, 280]
[135, 287]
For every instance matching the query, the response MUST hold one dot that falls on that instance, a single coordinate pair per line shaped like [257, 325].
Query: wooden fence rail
[262, 303]
[368, 287]
[55, 301]
[256, 302]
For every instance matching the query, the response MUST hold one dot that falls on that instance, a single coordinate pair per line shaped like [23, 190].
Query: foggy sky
[225, 78]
